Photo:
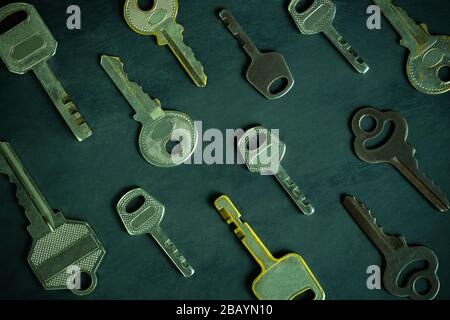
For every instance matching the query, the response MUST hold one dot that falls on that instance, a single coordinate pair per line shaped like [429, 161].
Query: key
[28, 46]
[147, 219]
[60, 246]
[318, 18]
[395, 151]
[286, 278]
[398, 255]
[160, 22]
[159, 127]
[428, 54]
[267, 70]
[263, 151]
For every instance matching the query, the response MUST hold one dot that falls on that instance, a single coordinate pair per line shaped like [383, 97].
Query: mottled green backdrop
[85, 180]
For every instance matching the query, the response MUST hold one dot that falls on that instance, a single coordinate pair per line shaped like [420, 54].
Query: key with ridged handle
[263, 151]
[285, 278]
[28, 46]
[160, 21]
[147, 219]
[60, 246]
[317, 18]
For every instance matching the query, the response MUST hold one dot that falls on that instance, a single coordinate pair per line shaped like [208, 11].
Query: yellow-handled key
[287, 278]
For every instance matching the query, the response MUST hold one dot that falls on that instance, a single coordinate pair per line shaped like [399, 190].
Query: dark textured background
[85, 180]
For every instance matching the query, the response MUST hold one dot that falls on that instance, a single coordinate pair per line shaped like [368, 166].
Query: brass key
[160, 22]
[286, 278]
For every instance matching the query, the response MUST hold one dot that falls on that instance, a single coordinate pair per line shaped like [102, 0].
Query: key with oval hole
[268, 72]
[395, 151]
[398, 256]
[286, 278]
[318, 18]
[428, 55]
[28, 46]
[147, 219]
[263, 152]
[60, 246]
[160, 128]
[160, 21]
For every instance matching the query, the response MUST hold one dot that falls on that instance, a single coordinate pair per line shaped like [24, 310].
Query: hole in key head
[382, 138]
[368, 123]
[146, 5]
[306, 295]
[12, 20]
[444, 73]
[303, 5]
[422, 286]
[174, 146]
[409, 270]
[278, 85]
[135, 204]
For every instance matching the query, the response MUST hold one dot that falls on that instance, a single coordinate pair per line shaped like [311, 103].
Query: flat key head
[27, 43]
[288, 279]
[397, 262]
[391, 147]
[72, 246]
[314, 19]
[266, 70]
[148, 22]
[261, 150]
[424, 69]
[157, 137]
[143, 219]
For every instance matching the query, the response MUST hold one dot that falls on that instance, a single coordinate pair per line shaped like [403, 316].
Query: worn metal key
[286, 278]
[263, 151]
[398, 255]
[28, 46]
[60, 247]
[395, 151]
[147, 219]
[319, 18]
[160, 22]
[159, 127]
[427, 54]
[267, 69]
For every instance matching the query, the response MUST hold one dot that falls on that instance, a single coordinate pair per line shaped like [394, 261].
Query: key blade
[413, 36]
[28, 194]
[244, 232]
[408, 165]
[172, 34]
[62, 101]
[367, 222]
[238, 32]
[143, 105]
[172, 252]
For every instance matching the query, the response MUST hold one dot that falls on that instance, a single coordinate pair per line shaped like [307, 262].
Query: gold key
[160, 22]
[286, 278]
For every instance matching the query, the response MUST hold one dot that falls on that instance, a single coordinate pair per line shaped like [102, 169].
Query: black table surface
[85, 180]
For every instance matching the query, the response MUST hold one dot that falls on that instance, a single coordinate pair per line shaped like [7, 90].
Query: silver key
[263, 151]
[266, 68]
[319, 18]
[62, 250]
[160, 22]
[428, 54]
[395, 151]
[147, 219]
[28, 46]
[159, 127]
[398, 255]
